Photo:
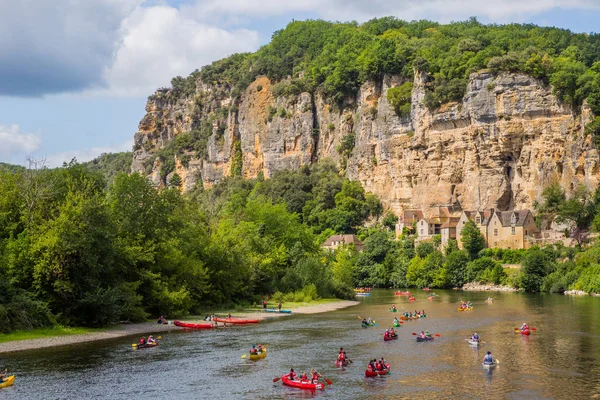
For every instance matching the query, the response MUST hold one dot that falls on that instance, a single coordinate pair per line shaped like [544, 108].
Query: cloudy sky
[75, 74]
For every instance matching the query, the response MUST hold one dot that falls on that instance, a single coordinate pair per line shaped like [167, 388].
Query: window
[421, 223]
[478, 219]
[421, 232]
[513, 230]
[526, 231]
[495, 232]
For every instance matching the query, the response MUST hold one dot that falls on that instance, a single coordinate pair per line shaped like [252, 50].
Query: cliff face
[499, 147]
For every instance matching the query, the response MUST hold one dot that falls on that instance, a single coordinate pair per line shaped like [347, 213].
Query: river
[560, 360]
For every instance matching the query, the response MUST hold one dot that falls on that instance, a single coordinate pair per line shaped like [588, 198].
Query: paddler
[315, 376]
[488, 359]
[304, 377]
[394, 307]
[151, 340]
[392, 332]
[260, 348]
[253, 350]
[142, 340]
[524, 327]
[4, 375]
[428, 334]
[396, 321]
[292, 374]
[475, 337]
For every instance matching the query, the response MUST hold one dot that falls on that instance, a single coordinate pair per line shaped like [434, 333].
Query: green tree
[472, 239]
[456, 266]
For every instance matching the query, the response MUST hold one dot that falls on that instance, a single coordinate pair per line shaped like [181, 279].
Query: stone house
[335, 241]
[448, 230]
[501, 229]
[407, 219]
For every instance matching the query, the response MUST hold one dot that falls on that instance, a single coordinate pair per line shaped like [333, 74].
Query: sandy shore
[153, 328]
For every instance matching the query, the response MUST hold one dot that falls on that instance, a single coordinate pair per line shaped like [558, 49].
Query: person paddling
[151, 340]
[142, 340]
[315, 376]
[475, 337]
[524, 327]
[488, 359]
[292, 374]
[4, 375]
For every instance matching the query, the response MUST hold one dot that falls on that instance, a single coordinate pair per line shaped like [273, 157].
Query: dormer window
[478, 219]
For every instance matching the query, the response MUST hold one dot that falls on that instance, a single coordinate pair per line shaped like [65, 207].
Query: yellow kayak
[465, 309]
[8, 382]
[258, 356]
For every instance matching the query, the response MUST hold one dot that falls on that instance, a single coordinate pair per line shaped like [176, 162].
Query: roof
[410, 216]
[450, 223]
[345, 239]
[506, 217]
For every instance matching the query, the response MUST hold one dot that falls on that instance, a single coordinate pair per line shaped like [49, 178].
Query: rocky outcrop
[498, 148]
[487, 287]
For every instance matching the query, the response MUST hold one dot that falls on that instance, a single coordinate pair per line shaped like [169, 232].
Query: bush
[400, 99]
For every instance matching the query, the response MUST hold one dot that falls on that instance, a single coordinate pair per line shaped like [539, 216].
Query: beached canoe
[425, 339]
[307, 385]
[236, 321]
[279, 311]
[191, 326]
[8, 382]
[369, 373]
[388, 338]
[260, 355]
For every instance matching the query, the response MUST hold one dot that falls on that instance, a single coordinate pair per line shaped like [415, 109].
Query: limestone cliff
[499, 147]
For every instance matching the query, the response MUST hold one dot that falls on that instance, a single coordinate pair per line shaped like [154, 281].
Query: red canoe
[339, 363]
[238, 321]
[192, 326]
[523, 332]
[386, 338]
[369, 373]
[301, 384]
[399, 293]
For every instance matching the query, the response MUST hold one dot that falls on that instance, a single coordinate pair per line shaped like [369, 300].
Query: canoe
[411, 299]
[393, 310]
[473, 342]
[465, 309]
[399, 293]
[8, 382]
[362, 294]
[367, 325]
[258, 356]
[426, 339]
[192, 326]
[523, 332]
[279, 311]
[396, 324]
[301, 384]
[426, 289]
[339, 363]
[369, 373]
[387, 338]
[236, 321]
[488, 366]
[145, 346]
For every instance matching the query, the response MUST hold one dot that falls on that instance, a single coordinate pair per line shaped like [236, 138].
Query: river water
[560, 360]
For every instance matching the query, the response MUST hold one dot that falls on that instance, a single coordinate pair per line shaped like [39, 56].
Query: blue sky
[75, 75]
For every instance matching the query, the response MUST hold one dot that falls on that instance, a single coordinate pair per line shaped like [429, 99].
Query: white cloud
[13, 140]
[161, 42]
[236, 11]
[82, 155]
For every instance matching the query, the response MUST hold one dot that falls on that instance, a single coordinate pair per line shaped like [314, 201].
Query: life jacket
[142, 341]
[378, 366]
[304, 377]
[292, 375]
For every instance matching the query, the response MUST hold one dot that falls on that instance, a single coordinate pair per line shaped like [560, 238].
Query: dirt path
[152, 328]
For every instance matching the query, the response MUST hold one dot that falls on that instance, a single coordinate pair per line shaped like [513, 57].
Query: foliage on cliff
[336, 58]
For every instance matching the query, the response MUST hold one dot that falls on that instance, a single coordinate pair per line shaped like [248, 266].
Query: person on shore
[488, 359]
[279, 306]
[162, 320]
[229, 315]
[264, 304]
[207, 318]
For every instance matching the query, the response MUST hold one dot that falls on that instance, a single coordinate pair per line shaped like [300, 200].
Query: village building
[335, 241]
[407, 219]
[448, 230]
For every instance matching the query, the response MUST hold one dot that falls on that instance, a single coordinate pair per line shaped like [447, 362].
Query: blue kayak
[279, 311]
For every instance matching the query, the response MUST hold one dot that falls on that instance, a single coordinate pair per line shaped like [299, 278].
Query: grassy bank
[44, 333]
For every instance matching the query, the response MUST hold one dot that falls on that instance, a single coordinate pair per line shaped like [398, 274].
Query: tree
[535, 267]
[175, 180]
[472, 239]
[424, 249]
[456, 264]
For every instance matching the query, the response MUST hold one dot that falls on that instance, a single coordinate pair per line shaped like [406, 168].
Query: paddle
[276, 379]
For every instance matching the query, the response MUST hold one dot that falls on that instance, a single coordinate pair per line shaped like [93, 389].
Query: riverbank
[153, 328]
[580, 293]
[483, 287]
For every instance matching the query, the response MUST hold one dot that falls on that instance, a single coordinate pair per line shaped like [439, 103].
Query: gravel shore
[152, 328]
